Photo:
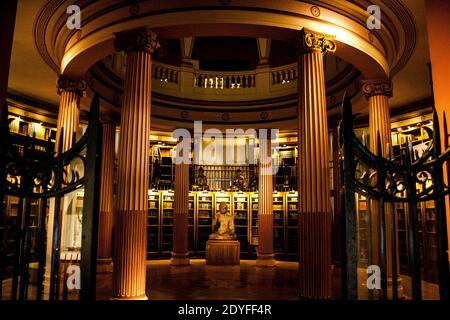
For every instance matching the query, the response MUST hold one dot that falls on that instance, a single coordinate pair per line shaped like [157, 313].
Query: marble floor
[203, 282]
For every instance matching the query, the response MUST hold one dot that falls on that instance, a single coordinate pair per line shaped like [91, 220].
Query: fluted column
[180, 254]
[70, 90]
[132, 175]
[265, 255]
[313, 167]
[377, 93]
[105, 219]
[69, 110]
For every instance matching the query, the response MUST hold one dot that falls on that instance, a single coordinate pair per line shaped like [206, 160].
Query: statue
[202, 181]
[238, 181]
[253, 184]
[224, 225]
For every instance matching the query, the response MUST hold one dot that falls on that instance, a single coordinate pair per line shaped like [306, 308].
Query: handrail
[224, 80]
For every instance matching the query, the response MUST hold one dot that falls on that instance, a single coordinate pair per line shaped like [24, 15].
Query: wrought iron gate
[386, 182]
[31, 171]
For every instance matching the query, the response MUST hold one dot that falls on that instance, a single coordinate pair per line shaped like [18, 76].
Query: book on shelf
[278, 215]
[204, 206]
[240, 206]
[277, 207]
[168, 205]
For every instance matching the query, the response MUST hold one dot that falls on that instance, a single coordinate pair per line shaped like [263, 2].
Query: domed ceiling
[221, 56]
[41, 42]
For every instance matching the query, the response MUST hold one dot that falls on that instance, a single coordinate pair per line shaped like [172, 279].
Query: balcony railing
[284, 74]
[165, 73]
[262, 83]
[223, 80]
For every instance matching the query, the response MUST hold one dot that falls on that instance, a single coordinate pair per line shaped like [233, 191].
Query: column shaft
[180, 255]
[265, 257]
[378, 93]
[379, 123]
[105, 221]
[313, 169]
[68, 120]
[132, 186]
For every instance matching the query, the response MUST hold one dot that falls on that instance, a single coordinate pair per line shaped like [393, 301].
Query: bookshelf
[191, 223]
[426, 211]
[292, 224]
[204, 220]
[279, 233]
[153, 223]
[363, 227]
[428, 243]
[254, 223]
[202, 207]
[222, 197]
[402, 237]
[167, 222]
[241, 219]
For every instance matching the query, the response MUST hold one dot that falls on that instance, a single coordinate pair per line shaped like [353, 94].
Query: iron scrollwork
[409, 178]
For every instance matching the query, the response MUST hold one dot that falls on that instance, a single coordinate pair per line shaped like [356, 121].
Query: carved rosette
[71, 85]
[310, 41]
[141, 39]
[377, 88]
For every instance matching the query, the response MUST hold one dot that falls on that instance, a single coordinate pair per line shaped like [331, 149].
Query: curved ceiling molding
[75, 51]
[374, 54]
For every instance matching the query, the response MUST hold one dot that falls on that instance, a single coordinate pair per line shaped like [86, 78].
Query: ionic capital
[65, 84]
[140, 39]
[310, 41]
[380, 87]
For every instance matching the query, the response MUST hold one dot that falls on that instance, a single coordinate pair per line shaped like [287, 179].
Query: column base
[142, 297]
[265, 260]
[179, 259]
[104, 265]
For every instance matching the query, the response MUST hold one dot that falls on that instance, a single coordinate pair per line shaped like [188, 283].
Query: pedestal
[223, 252]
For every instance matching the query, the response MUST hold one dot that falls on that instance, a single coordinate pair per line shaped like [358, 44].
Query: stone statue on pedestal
[223, 225]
